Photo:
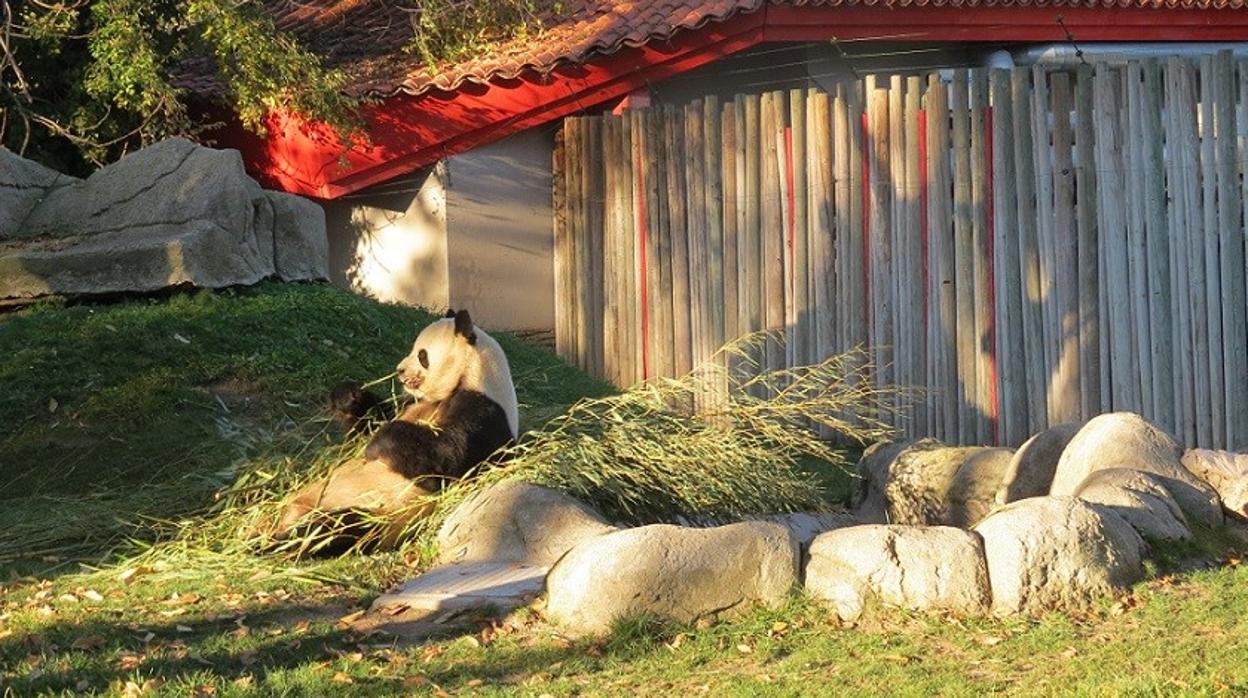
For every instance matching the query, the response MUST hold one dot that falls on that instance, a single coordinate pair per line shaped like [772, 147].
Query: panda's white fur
[458, 362]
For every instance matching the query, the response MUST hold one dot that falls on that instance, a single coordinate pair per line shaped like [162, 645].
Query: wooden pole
[1230, 254]
[1066, 247]
[964, 270]
[1089, 270]
[1212, 249]
[1037, 371]
[1157, 232]
[1009, 305]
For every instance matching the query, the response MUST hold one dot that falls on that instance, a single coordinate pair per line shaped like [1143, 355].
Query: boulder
[867, 500]
[170, 214]
[917, 483]
[1140, 498]
[671, 572]
[1226, 473]
[1057, 552]
[913, 567]
[23, 185]
[1030, 472]
[1126, 440]
[300, 244]
[806, 526]
[974, 490]
[517, 522]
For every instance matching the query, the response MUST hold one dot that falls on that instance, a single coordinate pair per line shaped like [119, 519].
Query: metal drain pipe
[1065, 54]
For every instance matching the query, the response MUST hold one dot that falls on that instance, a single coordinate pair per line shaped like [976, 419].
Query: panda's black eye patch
[423, 357]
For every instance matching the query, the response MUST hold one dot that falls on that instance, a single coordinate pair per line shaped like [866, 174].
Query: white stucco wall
[389, 241]
[501, 243]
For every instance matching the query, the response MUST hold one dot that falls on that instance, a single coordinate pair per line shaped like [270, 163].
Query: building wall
[389, 241]
[476, 230]
[501, 243]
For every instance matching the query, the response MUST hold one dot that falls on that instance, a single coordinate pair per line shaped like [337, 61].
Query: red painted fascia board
[408, 132]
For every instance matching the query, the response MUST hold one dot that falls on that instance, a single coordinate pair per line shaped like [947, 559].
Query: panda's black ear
[450, 312]
[463, 326]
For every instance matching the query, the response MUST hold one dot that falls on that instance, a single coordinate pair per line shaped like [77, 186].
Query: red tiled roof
[366, 38]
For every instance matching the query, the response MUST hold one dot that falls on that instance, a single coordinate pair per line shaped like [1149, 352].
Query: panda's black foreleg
[354, 407]
[412, 450]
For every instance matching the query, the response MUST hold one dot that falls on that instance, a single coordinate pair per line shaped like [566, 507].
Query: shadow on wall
[390, 243]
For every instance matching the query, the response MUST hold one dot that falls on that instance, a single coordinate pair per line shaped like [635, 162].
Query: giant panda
[464, 411]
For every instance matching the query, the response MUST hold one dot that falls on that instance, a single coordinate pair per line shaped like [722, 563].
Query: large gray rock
[1030, 472]
[912, 567]
[23, 185]
[1126, 440]
[973, 493]
[671, 572]
[172, 213]
[517, 522]
[1057, 552]
[300, 244]
[1226, 473]
[1140, 499]
[918, 483]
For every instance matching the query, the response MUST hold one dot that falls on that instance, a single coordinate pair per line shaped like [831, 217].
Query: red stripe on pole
[923, 232]
[994, 398]
[641, 242]
[866, 221]
[791, 218]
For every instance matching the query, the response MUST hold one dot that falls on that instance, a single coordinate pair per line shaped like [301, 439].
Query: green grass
[151, 425]
[148, 407]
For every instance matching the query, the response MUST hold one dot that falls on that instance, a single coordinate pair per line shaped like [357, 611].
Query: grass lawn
[123, 419]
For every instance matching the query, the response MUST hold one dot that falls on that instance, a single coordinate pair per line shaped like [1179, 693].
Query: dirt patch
[235, 392]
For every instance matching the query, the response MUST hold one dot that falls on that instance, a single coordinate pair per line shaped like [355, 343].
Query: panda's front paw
[353, 405]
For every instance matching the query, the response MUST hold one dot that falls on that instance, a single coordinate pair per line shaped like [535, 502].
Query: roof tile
[366, 39]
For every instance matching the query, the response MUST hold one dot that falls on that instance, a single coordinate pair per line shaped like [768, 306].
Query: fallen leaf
[132, 689]
[745, 649]
[343, 677]
[474, 683]
[128, 576]
[676, 642]
[180, 338]
[1069, 652]
[93, 595]
[52, 405]
[415, 681]
[989, 640]
[471, 641]
[244, 681]
[302, 626]
[128, 662]
[352, 617]
[203, 691]
[185, 629]
[67, 598]
[247, 658]
[87, 642]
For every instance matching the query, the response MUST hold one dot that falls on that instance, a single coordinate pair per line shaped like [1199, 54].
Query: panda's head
[443, 355]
